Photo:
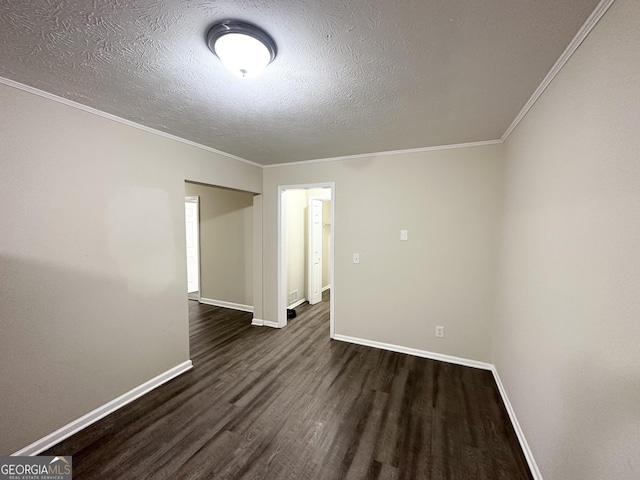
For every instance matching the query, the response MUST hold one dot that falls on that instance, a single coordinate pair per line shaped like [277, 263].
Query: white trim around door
[193, 252]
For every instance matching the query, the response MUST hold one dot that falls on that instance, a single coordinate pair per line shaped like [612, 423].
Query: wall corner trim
[221, 303]
[577, 40]
[533, 466]
[415, 352]
[83, 422]
[268, 323]
[258, 322]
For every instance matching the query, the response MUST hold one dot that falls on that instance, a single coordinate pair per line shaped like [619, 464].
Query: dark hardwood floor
[292, 404]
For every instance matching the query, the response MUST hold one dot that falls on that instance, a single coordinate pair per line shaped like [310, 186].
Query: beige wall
[226, 243]
[567, 338]
[92, 259]
[450, 202]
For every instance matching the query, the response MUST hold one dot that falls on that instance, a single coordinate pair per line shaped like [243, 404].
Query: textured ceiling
[350, 77]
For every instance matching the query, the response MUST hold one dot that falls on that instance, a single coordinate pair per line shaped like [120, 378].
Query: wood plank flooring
[263, 403]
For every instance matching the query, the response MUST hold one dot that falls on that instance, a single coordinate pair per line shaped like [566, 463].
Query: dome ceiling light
[243, 48]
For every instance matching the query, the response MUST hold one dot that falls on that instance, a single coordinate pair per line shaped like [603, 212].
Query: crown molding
[577, 40]
[586, 28]
[387, 153]
[100, 113]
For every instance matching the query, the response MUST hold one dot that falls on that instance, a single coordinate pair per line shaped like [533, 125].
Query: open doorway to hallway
[225, 253]
[224, 246]
[305, 266]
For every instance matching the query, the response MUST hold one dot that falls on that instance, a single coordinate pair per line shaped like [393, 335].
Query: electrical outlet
[440, 331]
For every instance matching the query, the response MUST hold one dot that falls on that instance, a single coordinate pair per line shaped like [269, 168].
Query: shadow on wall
[618, 432]
[242, 199]
[71, 340]
[226, 243]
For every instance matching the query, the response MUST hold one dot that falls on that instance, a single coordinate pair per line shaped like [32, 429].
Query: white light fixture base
[243, 48]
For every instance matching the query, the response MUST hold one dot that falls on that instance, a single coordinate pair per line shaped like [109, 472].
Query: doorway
[306, 216]
[192, 223]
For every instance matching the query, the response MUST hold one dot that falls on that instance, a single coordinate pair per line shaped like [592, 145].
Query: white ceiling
[351, 77]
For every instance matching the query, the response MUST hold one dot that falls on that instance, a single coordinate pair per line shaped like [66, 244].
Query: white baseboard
[415, 352]
[83, 422]
[533, 466]
[220, 303]
[324, 289]
[298, 303]
[258, 322]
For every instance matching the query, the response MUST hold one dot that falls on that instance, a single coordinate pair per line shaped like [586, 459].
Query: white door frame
[282, 252]
[196, 199]
[309, 248]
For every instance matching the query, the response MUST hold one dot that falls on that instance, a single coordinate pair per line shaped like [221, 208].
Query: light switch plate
[404, 235]
[356, 258]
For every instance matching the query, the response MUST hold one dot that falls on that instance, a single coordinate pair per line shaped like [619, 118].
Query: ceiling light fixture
[243, 48]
